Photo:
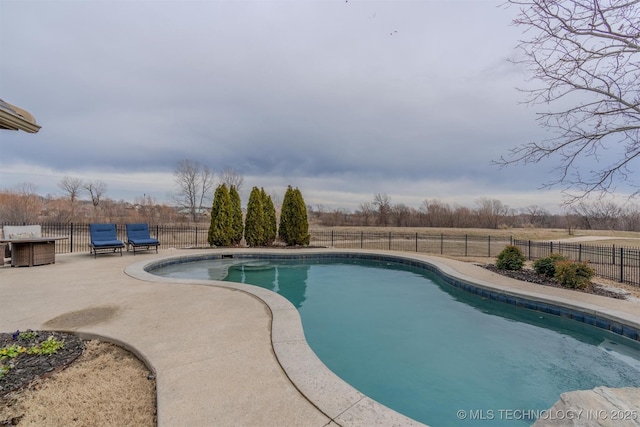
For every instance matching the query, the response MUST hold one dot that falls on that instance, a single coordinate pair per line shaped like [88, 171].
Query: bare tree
[586, 53]
[20, 205]
[402, 215]
[72, 187]
[366, 211]
[437, 213]
[195, 186]
[599, 215]
[571, 221]
[382, 202]
[335, 217]
[231, 178]
[462, 217]
[631, 218]
[316, 213]
[490, 212]
[96, 190]
[536, 215]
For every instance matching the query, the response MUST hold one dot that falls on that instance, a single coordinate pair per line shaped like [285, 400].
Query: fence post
[465, 244]
[621, 265]
[441, 243]
[196, 237]
[71, 239]
[613, 254]
[550, 247]
[361, 239]
[331, 238]
[416, 242]
[529, 250]
[389, 240]
[579, 252]
[489, 241]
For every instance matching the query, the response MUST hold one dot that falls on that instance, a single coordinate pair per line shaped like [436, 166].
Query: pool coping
[335, 398]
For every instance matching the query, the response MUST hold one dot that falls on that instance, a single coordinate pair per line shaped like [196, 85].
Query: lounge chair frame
[104, 239]
[139, 238]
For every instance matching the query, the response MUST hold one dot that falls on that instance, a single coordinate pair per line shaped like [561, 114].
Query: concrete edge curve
[320, 386]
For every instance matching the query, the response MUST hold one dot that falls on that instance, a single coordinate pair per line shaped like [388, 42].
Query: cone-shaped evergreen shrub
[236, 216]
[294, 225]
[254, 229]
[221, 227]
[269, 216]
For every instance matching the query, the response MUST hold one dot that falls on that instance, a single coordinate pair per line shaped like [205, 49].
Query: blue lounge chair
[104, 239]
[138, 237]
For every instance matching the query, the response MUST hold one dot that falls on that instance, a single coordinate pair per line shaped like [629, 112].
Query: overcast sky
[342, 99]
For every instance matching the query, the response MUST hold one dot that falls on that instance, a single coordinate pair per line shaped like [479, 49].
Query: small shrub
[27, 335]
[4, 369]
[511, 258]
[12, 351]
[547, 266]
[571, 274]
[50, 346]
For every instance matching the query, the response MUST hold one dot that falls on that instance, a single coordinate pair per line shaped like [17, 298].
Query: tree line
[24, 205]
[82, 200]
[487, 213]
[193, 195]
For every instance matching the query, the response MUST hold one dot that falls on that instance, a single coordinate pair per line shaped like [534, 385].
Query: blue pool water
[423, 348]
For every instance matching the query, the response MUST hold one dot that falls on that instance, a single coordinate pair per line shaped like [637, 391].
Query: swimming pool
[434, 349]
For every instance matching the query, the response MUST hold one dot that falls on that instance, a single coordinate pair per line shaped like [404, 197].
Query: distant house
[15, 118]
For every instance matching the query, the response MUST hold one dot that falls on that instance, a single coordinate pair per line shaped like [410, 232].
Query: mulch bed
[529, 275]
[28, 367]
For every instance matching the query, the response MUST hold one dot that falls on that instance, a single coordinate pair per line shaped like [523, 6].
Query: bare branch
[232, 178]
[96, 190]
[586, 53]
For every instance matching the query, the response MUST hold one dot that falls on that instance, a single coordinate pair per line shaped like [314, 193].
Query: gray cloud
[342, 96]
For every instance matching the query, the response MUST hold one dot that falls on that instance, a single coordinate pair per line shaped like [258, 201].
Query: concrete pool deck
[217, 356]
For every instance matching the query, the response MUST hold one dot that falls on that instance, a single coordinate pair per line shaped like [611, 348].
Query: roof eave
[13, 122]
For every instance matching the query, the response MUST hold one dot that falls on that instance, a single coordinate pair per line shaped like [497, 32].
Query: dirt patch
[105, 385]
[85, 317]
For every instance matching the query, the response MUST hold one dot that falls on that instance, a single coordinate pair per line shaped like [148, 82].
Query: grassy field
[599, 237]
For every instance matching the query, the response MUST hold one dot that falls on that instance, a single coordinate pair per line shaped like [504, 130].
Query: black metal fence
[463, 246]
[170, 236]
[621, 264]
